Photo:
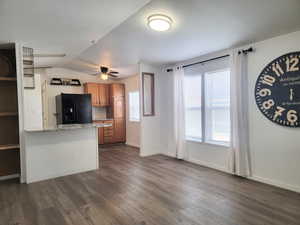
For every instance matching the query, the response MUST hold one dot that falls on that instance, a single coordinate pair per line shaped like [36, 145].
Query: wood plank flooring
[157, 190]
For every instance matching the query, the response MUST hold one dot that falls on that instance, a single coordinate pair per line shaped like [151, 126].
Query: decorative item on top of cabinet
[99, 92]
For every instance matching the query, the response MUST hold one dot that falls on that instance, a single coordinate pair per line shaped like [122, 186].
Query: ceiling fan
[105, 73]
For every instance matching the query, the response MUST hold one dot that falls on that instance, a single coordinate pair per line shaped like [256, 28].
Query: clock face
[277, 90]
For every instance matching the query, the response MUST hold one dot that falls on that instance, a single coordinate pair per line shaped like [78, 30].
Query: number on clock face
[277, 90]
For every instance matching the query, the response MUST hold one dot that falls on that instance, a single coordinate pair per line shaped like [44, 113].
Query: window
[207, 99]
[134, 106]
[193, 106]
[217, 106]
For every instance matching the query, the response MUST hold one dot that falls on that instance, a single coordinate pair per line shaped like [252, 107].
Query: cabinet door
[92, 88]
[100, 135]
[107, 95]
[119, 130]
[118, 107]
[103, 94]
[117, 90]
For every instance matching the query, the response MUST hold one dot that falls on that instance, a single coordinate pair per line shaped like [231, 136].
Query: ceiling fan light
[104, 76]
[159, 22]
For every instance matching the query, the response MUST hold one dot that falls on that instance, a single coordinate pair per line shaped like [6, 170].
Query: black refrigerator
[74, 108]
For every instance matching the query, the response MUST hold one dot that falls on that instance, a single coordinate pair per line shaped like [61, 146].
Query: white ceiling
[62, 26]
[200, 27]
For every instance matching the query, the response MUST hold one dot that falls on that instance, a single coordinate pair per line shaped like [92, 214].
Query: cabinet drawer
[108, 133]
[108, 128]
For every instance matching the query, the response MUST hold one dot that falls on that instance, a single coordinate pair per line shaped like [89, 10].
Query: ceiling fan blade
[113, 72]
[112, 75]
[95, 74]
[49, 55]
[85, 63]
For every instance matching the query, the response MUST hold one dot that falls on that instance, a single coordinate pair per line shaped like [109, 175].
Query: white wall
[50, 91]
[153, 139]
[275, 149]
[133, 130]
[33, 113]
[275, 153]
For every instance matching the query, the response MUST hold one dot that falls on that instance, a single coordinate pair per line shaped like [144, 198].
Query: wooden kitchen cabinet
[117, 112]
[112, 95]
[92, 88]
[103, 93]
[117, 90]
[100, 94]
[105, 134]
[119, 130]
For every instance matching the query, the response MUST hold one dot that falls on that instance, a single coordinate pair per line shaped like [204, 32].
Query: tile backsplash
[99, 113]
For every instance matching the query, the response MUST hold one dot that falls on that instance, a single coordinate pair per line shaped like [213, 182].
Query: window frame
[130, 119]
[204, 140]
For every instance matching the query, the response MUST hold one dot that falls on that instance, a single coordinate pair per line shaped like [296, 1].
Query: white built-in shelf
[3, 114]
[9, 147]
[8, 79]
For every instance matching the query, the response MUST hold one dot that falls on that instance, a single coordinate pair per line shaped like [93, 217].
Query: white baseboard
[210, 165]
[9, 177]
[132, 145]
[170, 154]
[37, 178]
[275, 183]
[255, 178]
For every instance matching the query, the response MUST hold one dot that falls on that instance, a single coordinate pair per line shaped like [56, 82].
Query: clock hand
[291, 94]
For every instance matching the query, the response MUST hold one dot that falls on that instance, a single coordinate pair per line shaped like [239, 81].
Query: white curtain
[239, 162]
[179, 112]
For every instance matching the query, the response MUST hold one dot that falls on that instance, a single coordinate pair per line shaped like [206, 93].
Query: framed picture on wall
[148, 94]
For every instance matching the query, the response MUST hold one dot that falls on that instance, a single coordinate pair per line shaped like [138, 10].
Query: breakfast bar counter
[60, 151]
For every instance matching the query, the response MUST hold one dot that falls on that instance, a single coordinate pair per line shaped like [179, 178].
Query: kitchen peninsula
[62, 150]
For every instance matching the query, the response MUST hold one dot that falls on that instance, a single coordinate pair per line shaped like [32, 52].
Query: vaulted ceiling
[62, 26]
[124, 39]
[200, 27]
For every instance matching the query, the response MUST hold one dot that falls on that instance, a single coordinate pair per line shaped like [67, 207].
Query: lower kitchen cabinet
[105, 134]
[119, 130]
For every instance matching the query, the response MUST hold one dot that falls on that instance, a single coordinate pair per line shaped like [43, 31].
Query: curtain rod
[245, 51]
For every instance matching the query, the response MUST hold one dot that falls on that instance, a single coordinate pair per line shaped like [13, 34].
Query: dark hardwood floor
[157, 190]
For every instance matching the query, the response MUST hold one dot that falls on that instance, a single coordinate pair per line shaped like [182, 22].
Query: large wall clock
[277, 90]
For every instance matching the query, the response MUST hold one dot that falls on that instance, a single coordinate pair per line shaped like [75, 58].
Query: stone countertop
[71, 127]
[96, 120]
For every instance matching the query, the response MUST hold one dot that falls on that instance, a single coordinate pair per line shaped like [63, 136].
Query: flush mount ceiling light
[159, 22]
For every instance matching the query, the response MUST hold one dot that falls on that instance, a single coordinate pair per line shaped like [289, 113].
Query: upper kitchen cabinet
[117, 90]
[103, 90]
[92, 88]
[99, 92]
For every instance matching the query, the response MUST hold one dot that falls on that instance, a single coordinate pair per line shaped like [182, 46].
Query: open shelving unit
[9, 120]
